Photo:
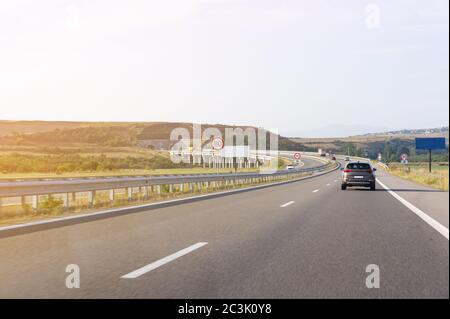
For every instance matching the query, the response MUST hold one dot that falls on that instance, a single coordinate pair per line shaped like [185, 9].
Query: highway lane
[317, 246]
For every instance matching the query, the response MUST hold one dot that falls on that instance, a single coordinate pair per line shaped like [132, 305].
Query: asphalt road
[306, 239]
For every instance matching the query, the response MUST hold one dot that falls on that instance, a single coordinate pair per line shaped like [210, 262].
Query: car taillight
[347, 170]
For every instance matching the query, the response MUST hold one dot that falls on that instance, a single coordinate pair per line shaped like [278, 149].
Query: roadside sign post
[297, 156]
[429, 160]
[404, 159]
[217, 144]
[429, 144]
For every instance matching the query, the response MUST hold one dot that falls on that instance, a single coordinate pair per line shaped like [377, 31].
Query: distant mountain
[441, 130]
[341, 130]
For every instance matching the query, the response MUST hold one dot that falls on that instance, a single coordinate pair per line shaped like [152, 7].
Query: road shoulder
[433, 202]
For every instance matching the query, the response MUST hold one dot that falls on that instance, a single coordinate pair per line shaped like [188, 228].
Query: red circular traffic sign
[297, 156]
[217, 143]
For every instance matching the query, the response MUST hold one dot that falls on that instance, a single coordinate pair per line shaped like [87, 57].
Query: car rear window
[358, 166]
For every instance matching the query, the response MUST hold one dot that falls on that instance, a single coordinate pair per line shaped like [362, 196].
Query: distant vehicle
[289, 167]
[321, 152]
[358, 174]
[333, 158]
[347, 158]
[327, 154]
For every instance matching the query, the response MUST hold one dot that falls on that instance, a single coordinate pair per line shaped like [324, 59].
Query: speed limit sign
[297, 156]
[404, 158]
[217, 143]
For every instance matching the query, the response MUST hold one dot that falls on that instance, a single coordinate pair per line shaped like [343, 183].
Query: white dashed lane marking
[163, 261]
[287, 204]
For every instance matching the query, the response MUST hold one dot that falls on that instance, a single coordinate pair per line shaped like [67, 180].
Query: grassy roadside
[282, 162]
[438, 178]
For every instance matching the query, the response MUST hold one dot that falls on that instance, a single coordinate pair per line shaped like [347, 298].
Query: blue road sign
[430, 143]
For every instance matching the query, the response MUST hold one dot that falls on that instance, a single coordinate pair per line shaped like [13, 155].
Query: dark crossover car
[358, 174]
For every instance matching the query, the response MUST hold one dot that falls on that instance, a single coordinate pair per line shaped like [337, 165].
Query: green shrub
[51, 204]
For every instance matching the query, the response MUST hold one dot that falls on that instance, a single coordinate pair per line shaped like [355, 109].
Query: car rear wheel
[372, 187]
[343, 187]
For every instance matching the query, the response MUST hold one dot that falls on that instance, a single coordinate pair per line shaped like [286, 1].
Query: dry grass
[438, 178]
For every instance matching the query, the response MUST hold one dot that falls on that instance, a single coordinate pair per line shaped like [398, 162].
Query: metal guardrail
[29, 188]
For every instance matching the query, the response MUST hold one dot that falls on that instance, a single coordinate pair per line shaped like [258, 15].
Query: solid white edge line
[287, 204]
[149, 205]
[429, 220]
[139, 272]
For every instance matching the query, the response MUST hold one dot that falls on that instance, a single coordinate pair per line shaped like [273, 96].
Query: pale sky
[296, 66]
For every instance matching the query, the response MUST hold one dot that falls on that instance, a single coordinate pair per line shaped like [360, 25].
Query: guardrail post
[65, 201]
[35, 203]
[129, 191]
[170, 188]
[181, 187]
[145, 192]
[158, 189]
[111, 195]
[190, 187]
[91, 198]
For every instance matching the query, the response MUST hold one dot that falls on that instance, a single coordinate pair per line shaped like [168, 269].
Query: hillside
[154, 135]
[74, 148]
[136, 139]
